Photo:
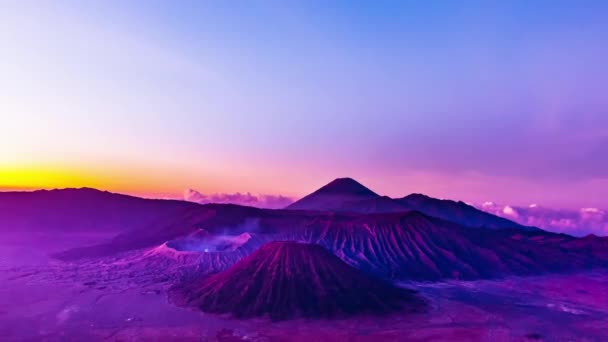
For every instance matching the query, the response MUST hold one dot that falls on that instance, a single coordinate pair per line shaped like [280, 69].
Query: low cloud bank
[578, 222]
[248, 199]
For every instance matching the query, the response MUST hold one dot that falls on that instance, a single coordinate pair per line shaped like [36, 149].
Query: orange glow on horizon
[142, 181]
[34, 178]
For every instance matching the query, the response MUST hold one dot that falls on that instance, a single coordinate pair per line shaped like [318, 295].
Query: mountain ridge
[348, 195]
[333, 195]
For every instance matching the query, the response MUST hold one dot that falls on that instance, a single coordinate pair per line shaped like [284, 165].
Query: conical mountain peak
[334, 195]
[346, 186]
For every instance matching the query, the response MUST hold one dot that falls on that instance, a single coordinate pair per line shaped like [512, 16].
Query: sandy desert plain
[111, 299]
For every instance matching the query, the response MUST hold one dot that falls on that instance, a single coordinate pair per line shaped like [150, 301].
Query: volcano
[285, 280]
[334, 196]
[398, 246]
[346, 195]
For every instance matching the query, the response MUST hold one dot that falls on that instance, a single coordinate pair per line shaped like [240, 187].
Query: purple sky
[478, 101]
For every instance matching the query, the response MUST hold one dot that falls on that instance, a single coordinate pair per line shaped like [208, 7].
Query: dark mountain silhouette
[458, 212]
[380, 204]
[90, 210]
[83, 210]
[347, 195]
[334, 196]
[289, 279]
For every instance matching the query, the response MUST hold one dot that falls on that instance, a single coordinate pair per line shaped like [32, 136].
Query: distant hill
[335, 196]
[458, 212]
[90, 210]
[348, 195]
[83, 210]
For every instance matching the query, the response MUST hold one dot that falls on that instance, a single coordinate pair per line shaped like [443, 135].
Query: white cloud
[488, 204]
[592, 210]
[247, 199]
[577, 222]
[509, 211]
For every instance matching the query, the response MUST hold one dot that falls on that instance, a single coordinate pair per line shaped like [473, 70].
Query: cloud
[509, 211]
[247, 199]
[578, 222]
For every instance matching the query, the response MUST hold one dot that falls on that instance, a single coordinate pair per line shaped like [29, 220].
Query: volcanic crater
[286, 279]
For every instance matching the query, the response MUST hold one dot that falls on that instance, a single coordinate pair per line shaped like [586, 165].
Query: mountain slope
[403, 246]
[380, 204]
[83, 210]
[347, 195]
[414, 246]
[334, 196]
[289, 279]
[458, 212]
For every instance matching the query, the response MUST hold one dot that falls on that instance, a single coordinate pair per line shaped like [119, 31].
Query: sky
[471, 100]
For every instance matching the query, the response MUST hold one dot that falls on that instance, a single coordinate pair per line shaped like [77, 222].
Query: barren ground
[41, 299]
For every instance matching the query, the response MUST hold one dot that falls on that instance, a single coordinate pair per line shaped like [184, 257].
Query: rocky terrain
[290, 279]
[115, 260]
